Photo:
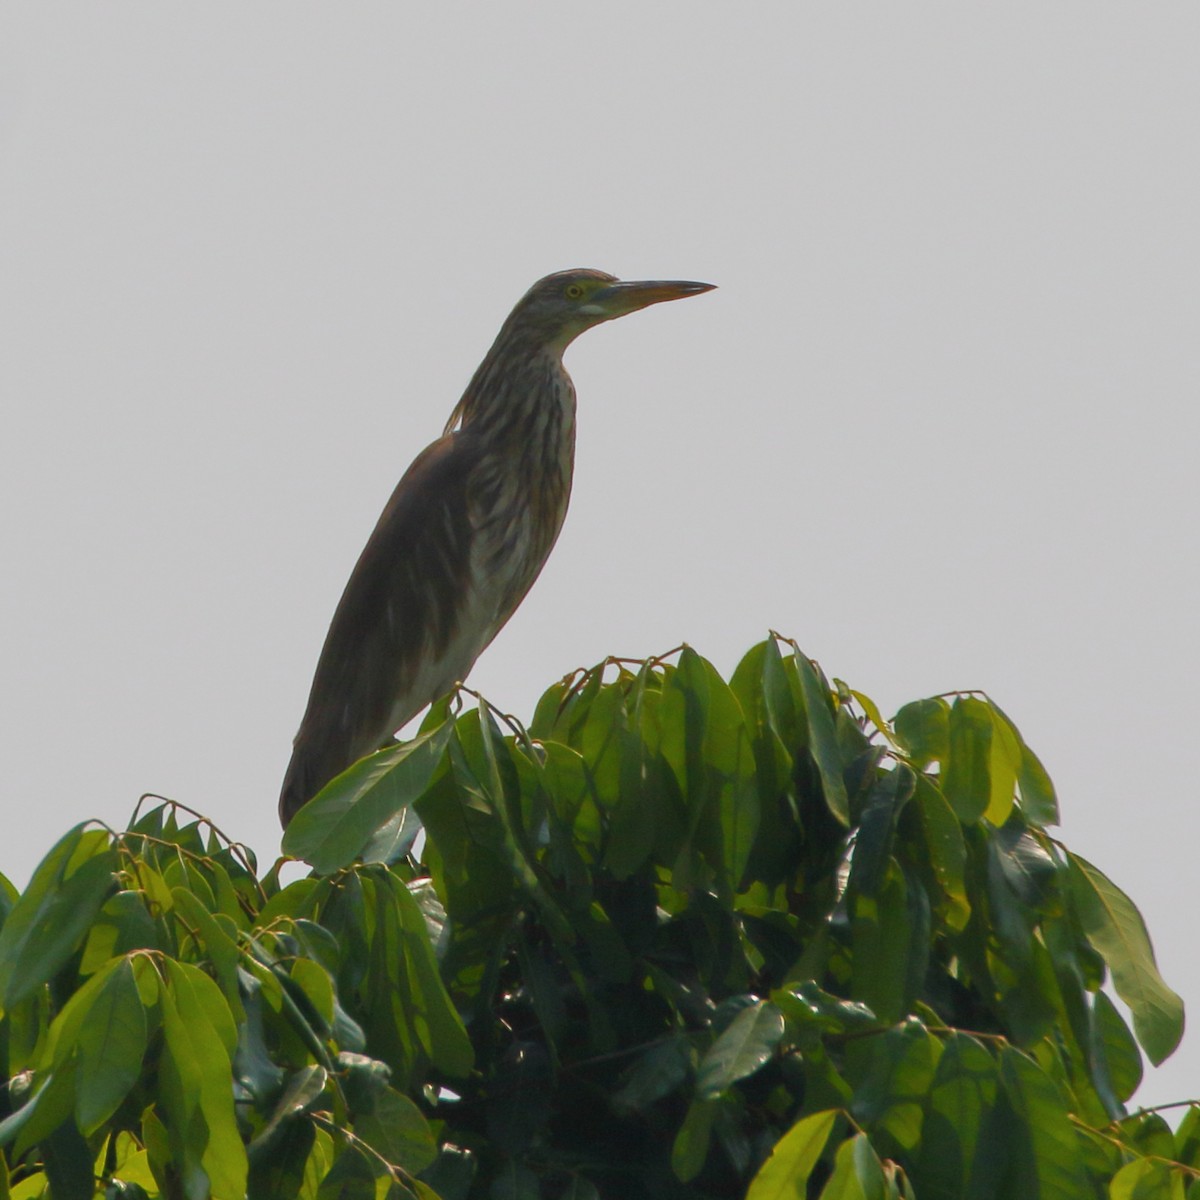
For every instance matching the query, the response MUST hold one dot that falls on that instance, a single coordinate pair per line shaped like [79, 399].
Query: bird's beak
[626, 296]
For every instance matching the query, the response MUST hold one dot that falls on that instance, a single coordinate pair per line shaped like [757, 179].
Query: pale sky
[939, 422]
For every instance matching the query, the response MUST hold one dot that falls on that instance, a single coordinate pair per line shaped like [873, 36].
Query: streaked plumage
[464, 535]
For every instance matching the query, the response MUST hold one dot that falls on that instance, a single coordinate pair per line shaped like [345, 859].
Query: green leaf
[1146, 1179]
[405, 973]
[946, 851]
[785, 1174]
[895, 1072]
[303, 1087]
[690, 1148]
[877, 826]
[45, 1110]
[331, 830]
[857, 1173]
[396, 1129]
[313, 980]
[68, 1162]
[873, 715]
[123, 924]
[47, 924]
[705, 740]
[890, 942]
[1114, 927]
[805, 1004]
[924, 728]
[109, 1046]
[1038, 798]
[1187, 1137]
[967, 781]
[1051, 1152]
[195, 1076]
[657, 1072]
[822, 737]
[747, 1043]
[962, 1094]
[760, 685]
[223, 951]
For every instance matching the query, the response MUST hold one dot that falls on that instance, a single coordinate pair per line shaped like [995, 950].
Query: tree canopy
[678, 937]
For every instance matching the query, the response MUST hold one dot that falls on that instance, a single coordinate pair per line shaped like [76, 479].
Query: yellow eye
[574, 291]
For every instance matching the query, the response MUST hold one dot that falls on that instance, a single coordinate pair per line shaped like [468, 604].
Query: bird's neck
[521, 395]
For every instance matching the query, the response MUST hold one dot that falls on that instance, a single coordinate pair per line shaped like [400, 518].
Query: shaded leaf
[333, 829]
[396, 1129]
[822, 737]
[1115, 928]
[49, 921]
[748, 1042]
[109, 1047]
[690, 1148]
[924, 728]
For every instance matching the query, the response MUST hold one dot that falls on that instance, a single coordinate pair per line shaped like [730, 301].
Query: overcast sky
[939, 423]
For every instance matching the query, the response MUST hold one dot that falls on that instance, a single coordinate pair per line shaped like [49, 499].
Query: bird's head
[560, 307]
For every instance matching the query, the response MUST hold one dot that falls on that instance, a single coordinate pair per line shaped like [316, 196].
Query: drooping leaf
[1115, 928]
[1038, 798]
[967, 781]
[1113, 1041]
[199, 1041]
[785, 1174]
[109, 1046]
[946, 851]
[1049, 1146]
[923, 726]
[857, 1173]
[822, 737]
[964, 1088]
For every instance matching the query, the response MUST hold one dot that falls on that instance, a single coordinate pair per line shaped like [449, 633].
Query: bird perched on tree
[464, 535]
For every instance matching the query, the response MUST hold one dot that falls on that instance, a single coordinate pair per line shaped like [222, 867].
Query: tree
[682, 937]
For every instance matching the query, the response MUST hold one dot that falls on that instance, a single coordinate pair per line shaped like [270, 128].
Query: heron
[465, 533]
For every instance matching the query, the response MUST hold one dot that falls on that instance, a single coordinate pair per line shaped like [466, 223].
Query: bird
[463, 536]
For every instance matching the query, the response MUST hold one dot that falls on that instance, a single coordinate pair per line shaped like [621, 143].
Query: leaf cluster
[682, 937]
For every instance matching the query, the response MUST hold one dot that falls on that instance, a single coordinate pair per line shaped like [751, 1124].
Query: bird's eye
[574, 291]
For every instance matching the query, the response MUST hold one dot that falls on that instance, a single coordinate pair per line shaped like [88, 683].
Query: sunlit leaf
[199, 1041]
[857, 1173]
[785, 1174]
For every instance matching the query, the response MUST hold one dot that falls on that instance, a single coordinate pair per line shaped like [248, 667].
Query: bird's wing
[397, 629]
